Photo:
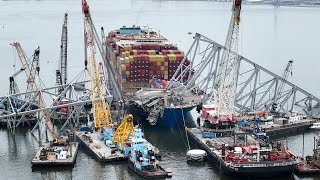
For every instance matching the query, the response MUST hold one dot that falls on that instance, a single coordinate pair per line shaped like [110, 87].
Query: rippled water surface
[269, 36]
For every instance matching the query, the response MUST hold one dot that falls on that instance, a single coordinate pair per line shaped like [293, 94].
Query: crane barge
[229, 149]
[60, 150]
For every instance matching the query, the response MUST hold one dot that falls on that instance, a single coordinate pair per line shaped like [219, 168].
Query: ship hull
[266, 169]
[171, 117]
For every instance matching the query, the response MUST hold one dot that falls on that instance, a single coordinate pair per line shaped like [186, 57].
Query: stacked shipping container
[140, 63]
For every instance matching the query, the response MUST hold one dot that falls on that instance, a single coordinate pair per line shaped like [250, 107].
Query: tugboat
[142, 159]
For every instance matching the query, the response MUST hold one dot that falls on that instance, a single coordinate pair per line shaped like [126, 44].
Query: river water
[269, 36]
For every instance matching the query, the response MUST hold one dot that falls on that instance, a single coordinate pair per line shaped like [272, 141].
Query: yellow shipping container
[126, 60]
[151, 52]
[171, 57]
[131, 59]
[153, 58]
[166, 64]
[135, 52]
[165, 72]
[123, 54]
[123, 67]
[127, 54]
[158, 63]
[127, 47]
[160, 58]
[162, 68]
[127, 73]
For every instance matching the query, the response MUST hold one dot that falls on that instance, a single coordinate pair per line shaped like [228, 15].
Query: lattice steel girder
[255, 84]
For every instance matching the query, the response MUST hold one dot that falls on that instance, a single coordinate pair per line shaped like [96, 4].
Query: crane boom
[101, 110]
[280, 86]
[61, 73]
[91, 27]
[36, 90]
[125, 129]
[227, 81]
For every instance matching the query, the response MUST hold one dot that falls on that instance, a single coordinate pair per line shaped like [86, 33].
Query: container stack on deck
[140, 62]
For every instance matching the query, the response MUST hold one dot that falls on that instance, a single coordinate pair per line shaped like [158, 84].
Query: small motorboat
[196, 154]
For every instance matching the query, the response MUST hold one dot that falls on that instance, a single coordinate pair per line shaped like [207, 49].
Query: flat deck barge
[255, 168]
[98, 148]
[51, 160]
[296, 127]
[305, 168]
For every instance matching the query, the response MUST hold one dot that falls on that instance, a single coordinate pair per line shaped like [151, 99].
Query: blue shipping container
[209, 135]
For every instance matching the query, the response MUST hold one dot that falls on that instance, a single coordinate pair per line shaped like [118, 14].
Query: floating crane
[36, 90]
[61, 72]
[225, 90]
[91, 35]
[101, 110]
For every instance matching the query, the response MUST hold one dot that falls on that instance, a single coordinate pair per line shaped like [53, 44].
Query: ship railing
[257, 164]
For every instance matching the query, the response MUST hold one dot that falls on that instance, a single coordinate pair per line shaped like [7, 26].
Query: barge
[62, 153]
[242, 159]
[98, 148]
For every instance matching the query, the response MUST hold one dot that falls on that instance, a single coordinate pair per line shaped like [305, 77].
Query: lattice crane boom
[36, 90]
[101, 110]
[225, 90]
[280, 86]
[111, 73]
[61, 73]
[125, 129]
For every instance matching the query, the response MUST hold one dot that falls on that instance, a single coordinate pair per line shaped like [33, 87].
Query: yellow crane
[36, 90]
[100, 109]
[124, 131]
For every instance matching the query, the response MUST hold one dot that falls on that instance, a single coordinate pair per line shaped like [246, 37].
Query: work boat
[142, 159]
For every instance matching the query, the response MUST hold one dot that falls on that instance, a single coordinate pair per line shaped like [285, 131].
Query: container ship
[144, 61]
[236, 153]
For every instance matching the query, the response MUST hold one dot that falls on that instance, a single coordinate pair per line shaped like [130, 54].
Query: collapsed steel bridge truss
[256, 86]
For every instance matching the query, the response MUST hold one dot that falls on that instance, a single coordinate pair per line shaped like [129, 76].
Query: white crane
[226, 84]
